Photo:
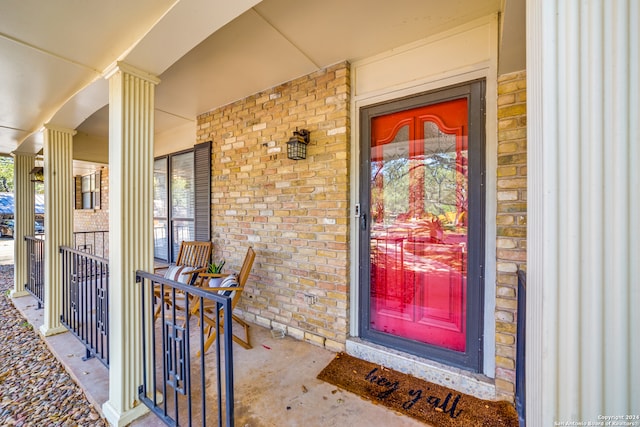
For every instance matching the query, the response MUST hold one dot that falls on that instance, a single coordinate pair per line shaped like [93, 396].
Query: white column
[58, 219]
[24, 215]
[131, 119]
[583, 279]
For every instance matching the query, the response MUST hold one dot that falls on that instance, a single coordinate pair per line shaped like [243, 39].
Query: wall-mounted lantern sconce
[297, 145]
[37, 174]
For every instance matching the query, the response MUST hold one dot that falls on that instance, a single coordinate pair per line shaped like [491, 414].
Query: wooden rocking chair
[232, 285]
[193, 258]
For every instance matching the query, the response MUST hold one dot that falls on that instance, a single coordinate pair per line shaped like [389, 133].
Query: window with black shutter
[87, 189]
[182, 194]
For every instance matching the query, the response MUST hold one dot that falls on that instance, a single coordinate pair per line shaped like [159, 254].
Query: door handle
[363, 221]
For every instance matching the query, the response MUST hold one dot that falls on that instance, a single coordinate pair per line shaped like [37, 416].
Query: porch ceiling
[207, 52]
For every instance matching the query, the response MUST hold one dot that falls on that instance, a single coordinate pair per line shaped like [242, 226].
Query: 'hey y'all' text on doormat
[431, 403]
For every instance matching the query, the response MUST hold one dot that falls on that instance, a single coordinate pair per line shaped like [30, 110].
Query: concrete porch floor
[275, 382]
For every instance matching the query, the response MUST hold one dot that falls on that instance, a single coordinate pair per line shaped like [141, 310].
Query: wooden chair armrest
[163, 267]
[196, 271]
[222, 288]
[203, 277]
[212, 275]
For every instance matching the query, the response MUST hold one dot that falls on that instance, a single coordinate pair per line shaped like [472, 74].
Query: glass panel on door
[418, 231]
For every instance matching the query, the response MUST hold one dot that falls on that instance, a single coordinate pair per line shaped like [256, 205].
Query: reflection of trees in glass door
[421, 234]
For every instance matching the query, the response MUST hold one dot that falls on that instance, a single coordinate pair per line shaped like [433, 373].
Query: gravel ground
[35, 389]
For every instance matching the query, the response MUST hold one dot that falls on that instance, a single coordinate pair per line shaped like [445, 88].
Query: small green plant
[27, 325]
[216, 267]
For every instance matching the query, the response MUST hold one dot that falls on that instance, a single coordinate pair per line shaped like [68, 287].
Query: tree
[6, 174]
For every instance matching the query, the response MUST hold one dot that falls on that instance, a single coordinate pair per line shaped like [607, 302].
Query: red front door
[418, 212]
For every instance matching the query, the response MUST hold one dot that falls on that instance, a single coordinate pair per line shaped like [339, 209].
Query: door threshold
[466, 382]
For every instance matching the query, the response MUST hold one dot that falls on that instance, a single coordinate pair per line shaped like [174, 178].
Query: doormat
[431, 403]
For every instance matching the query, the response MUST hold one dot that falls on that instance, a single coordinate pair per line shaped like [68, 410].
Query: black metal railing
[92, 242]
[35, 266]
[85, 300]
[520, 347]
[176, 372]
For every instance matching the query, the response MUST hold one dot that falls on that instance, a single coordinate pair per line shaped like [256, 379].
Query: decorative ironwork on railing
[92, 242]
[35, 266]
[85, 300]
[175, 366]
[521, 339]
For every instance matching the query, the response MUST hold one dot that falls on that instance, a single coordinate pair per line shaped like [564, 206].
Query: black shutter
[97, 197]
[77, 180]
[202, 176]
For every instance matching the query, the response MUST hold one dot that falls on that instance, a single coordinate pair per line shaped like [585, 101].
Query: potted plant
[215, 268]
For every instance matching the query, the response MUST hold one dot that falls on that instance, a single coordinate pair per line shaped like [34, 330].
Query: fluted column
[24, 215]
[58, 219]
[583, 278]
[131, 124]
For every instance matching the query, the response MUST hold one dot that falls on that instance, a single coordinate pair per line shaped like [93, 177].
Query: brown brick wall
[511, 222]
[294, 213]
